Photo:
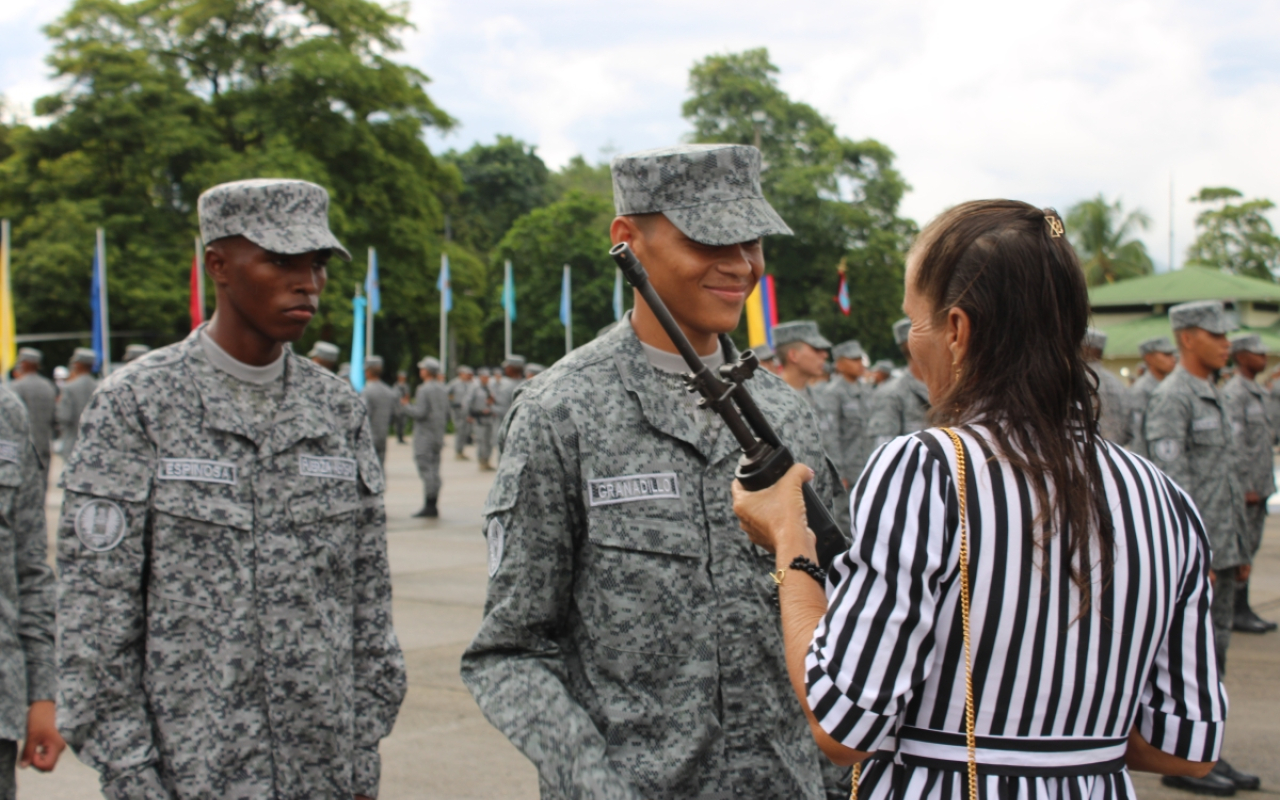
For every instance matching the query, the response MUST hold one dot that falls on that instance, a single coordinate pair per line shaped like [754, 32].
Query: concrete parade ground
[443, 748]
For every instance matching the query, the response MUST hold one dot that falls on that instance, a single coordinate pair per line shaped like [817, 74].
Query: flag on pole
[98, 304]
[442, 283]
[842, 294]
[762, 313]
[8, 329]
[617, 295]
[95, 303]
[197, 293]
[509, 291]
[357, 343]
[372, 290]
[770, 309]
[564, 298]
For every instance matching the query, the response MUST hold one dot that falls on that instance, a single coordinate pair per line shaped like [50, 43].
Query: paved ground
[442, 748]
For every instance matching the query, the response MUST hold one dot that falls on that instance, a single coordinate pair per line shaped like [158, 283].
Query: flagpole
[444, 320]
[506, 309]
[102, 300]
[568, 313]
[368, 316]
[7, 327]
[200, 284]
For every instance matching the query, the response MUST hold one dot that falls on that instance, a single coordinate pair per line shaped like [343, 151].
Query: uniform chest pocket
[199, 536]
[1208, 432]
[328, 518]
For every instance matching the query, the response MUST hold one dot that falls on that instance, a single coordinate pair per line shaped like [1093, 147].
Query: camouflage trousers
[1223, 612]
[461, 432]
[380, 446]
[1255, 518]
[428, 463]
[483, 430]
[8, 769]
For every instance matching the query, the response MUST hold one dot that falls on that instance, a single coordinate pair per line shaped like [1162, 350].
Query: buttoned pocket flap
[203, 502]
[10, 474]
[665, 537]
[1208, 437]
[506, 485]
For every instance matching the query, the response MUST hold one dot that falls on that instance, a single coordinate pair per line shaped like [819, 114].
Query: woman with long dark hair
[1025, 607]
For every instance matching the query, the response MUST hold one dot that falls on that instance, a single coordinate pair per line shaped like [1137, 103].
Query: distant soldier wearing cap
[404, 393]
[1160, 357]
[504, 388]
[845, 400]
[630, 646]
[532, 370]
[1189, 436]
[430, 413]
[900, 405]
[1255, 435]
[135, 351]
[40, 397]
[383, 403]
[74, 398]
[326, 355]
[480, 405]
[224, 618]
[767, 358]
[880, 372]
[802, 353]
[1114, 411]
[459, 390]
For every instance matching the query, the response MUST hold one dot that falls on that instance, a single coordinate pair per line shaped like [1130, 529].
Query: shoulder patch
[495, 536]
[1166, 449]
[100, 525]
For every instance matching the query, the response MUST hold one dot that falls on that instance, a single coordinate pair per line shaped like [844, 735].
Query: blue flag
[564, 298]
[95, 303]
[509, 292]
[617, 295]
[371, 288]
[357, 344]
[442, 283]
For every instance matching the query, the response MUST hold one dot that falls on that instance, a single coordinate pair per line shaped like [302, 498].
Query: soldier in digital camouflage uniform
[28, 680]
[458, 391]
[484, 423]
[880, 372]
[430, 414]
[135, 351]
[1114, 410]
[383, 403]
[630, 645]
[505, 385]
[1160, 357]
[900, 405]
[1189, 436]
[224, 598]
[802, 351]
[845, 400]
[74, 397]
[40, 396]
[1255, 435]
[325, 354]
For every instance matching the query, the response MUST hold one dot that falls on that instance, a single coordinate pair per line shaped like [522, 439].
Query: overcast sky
[1043, 102]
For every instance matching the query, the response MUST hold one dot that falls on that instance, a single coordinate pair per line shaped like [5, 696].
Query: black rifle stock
[764, 458]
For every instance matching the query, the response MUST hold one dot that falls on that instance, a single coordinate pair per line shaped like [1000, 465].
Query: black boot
[1246, 621]
[1210, 784]
[431, 512]
[1240, 780]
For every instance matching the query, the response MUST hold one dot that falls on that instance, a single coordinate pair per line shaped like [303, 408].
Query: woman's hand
[774, 518]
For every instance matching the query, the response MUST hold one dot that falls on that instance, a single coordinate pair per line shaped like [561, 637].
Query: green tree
[1236, 237]
[165, 98]
[840, 196]
[500, 182]
[1101, 234]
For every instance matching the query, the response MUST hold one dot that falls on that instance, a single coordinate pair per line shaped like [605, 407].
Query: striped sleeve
[1183, 709]
[875, 644]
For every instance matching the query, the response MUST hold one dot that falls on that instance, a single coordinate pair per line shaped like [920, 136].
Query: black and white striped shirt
[1056, 691]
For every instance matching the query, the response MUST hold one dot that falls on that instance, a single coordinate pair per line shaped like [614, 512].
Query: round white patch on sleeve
[495, 536]
[1166, 449]
[100, 525]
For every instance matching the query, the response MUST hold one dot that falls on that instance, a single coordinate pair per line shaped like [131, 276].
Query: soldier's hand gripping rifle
[764, 458]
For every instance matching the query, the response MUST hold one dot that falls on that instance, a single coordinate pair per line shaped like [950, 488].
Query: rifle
[765, 459]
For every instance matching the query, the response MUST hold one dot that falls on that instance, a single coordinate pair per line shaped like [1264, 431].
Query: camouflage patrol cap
[373, 362]
[135, 351]
[883, 366]
[430, 364]
[483, 372]
[1156, 344]
[30, 354]
[84, 355]
[513, 360]
[900, 330]
[326, 352]
[1095, 339]
[463, 369]
[533, 368]
[1209, 315]
[1249, 343]
[711, 192]
[849, 349]
[764, 353]
[801, 330]
[277, 214]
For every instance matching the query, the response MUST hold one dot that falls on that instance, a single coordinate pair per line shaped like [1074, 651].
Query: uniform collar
[1202, 388]
[916, 386]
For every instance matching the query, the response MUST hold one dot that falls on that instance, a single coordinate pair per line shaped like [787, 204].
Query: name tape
[1206, 424]
[630, 488]
[197, 469]
[343, 469]
[10, 451]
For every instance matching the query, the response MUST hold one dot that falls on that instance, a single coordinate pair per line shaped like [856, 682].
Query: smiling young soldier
[630, 646]
[224, 622]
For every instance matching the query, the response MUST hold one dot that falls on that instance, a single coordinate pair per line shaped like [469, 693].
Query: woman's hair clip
[1055, 225]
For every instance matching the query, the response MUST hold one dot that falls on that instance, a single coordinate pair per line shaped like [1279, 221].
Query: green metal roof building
[1137, 309]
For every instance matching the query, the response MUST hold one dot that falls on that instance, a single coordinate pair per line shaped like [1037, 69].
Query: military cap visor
[800, 331]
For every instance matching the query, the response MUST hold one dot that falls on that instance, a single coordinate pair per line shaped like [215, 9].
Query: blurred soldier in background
[403, 392]
[802, 352]
[383, 403]
[767, 358]
[504, 389]
[846, 399]
[40, 397]
[458, 391]
[532, 370]
[900, 405]
[484, 422]
[1255, 435]
[325, 354]
[74, 397]
[430, 413]
[1160, 357]
[1114, 413]
[135, 351]
[880, 372]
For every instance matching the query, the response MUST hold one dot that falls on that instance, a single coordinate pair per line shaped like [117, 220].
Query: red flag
[197, 293]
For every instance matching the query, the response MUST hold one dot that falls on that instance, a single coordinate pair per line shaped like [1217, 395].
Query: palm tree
[1100, 233]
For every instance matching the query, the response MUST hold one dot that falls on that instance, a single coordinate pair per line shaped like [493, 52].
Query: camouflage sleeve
[102, 553]
[378, 662]
[420, 409]
[1234, 402]
[885, 421]
[36, 589]
[517, 665]
[1166, 425]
